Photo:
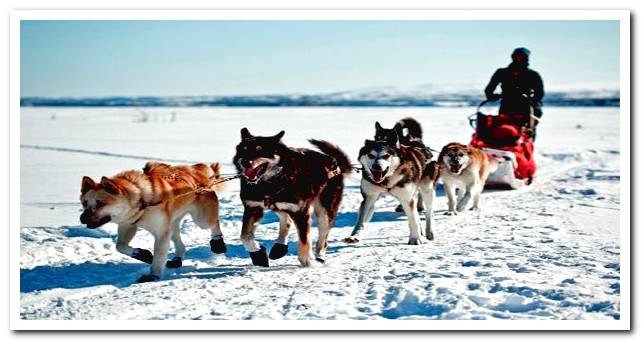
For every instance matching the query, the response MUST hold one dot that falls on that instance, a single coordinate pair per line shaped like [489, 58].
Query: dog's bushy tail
[414, 130]
[334, 151]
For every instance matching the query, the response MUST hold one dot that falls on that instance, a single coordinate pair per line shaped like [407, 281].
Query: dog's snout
[84, 217]
[246, 163]
[377, 167]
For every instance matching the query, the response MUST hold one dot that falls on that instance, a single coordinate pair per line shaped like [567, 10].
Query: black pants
[520, 107]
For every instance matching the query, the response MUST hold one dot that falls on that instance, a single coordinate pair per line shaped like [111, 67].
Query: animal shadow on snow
[75, 276]
[123, 274]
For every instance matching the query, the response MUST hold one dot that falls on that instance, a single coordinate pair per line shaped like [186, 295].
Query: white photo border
[623, 16]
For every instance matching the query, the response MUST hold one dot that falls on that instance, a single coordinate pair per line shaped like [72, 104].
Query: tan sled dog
[466, 168]
[156, 200]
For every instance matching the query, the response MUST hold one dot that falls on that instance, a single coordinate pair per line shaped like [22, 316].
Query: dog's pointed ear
[215, 167]
[110, 186]
[378, 126]
[468, 149]
[245, 134]
[87, 184]
[397, 127]
[279, 136]
[441, 155]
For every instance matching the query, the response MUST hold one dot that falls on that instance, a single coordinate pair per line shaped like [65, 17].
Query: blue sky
[164, 58]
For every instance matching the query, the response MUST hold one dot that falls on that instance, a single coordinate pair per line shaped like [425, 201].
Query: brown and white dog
[156, 200]
[294, 183]
[466, 168]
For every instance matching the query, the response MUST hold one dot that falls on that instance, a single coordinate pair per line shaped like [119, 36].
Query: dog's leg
[451, 201]
[125, 234]
[324, 226]
[409, 205]
[420, 207]
[279, 249]
[177, 261]
[206, 216]
[161, 247]
[365, 213]
[427, 194]
[464, 197]
[475, 192]
[302, 219]
[251, 219]
[285, 223]
[461, 194]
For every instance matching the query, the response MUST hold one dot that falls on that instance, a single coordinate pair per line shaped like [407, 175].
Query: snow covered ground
[549, 251]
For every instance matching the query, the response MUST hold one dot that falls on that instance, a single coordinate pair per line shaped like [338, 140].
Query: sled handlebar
[472, 118]
[478, 108]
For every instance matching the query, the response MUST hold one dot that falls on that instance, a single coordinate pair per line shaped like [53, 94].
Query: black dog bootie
[260, 257]
[143, 255]
[218, 245]
[278, 251]
[176, 262]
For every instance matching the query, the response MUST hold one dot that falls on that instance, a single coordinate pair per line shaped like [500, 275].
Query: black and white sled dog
[407, 132]
[294, 183]
[401, 170]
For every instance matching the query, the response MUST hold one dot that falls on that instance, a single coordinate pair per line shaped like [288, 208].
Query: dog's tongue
[378, 176]
[455, 168]
[252, 172]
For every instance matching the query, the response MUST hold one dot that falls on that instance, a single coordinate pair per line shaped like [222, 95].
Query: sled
[507, 138]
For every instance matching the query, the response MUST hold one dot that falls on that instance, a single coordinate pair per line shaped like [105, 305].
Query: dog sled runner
[508, 138]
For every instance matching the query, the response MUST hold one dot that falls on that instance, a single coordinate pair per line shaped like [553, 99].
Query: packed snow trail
[548, 251]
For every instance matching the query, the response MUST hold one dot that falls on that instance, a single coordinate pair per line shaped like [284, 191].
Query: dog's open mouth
[378, 176]
[253, 174]
[455, 168]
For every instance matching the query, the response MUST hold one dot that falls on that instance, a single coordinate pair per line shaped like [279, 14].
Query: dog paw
[218, 245]
[143, 255]
[148, 278]
[259, 258]
[176, 262]
[430, 235]
[415, 241]
[351, 240]
[450, 213]
[305, 260]
[278, 251]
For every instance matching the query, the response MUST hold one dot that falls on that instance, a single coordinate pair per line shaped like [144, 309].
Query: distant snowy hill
[422, 96]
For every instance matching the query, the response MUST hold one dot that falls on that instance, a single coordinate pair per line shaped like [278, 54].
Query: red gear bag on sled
[507, 137]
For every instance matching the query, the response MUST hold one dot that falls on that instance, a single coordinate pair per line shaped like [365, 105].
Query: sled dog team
[295, 183]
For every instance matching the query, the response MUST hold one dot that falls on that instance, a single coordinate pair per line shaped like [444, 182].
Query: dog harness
[141, 209]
